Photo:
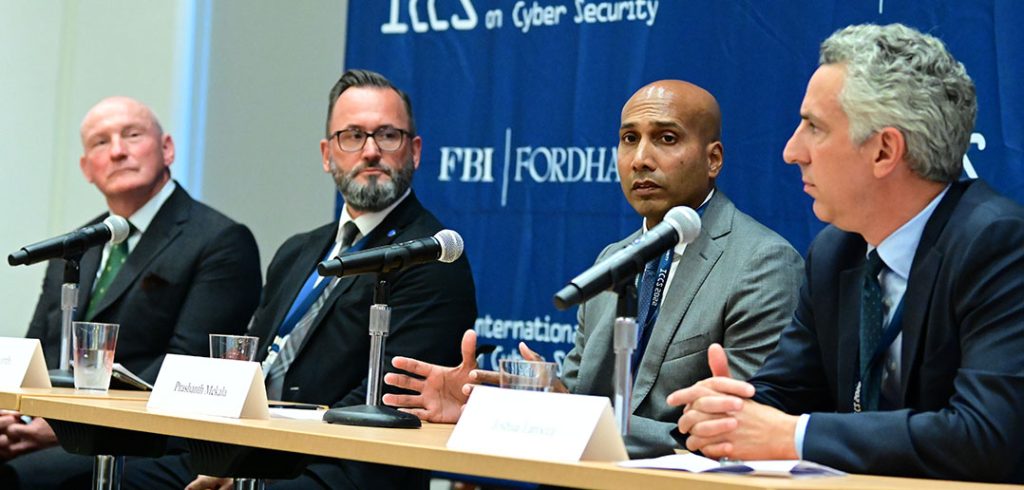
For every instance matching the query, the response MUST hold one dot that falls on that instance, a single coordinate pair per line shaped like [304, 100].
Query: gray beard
[376, 194]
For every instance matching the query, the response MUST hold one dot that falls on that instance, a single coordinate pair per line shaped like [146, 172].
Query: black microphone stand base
[62, 379]
[372, 416]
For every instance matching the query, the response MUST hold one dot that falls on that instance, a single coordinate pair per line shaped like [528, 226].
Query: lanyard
[661, 279]
[892, 330]
[646, 324]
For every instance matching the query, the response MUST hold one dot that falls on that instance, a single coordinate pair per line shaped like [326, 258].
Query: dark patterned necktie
[870, 331]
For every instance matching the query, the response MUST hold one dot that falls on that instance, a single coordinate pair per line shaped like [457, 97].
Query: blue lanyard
[661, 279]
[646, 324]
[892, 330]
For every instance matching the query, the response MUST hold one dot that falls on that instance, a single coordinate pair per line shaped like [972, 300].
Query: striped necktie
[297, 323]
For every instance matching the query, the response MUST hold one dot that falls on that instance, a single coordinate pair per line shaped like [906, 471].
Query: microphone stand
[63, 376]
[374, 413]
[625, 337]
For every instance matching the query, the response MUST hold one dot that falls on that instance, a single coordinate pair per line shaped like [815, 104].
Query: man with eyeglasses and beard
[314, 342]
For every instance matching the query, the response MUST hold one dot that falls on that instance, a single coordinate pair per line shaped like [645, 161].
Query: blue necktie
[310, 289]
[297, 322]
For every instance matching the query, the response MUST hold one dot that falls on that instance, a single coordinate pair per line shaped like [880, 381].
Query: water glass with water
[94, 345]
[518, 374]
[237, 347]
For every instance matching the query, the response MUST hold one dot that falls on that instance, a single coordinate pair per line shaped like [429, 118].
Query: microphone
[680, 225]
[114, 229]
[445, 246]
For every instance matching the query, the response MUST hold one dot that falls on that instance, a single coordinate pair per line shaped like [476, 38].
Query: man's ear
[325, 155]
[715, 154]
[889, 149]
[86, 172]
[417, 147]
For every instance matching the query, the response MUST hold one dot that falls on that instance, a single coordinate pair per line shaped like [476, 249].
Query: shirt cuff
[798, 435]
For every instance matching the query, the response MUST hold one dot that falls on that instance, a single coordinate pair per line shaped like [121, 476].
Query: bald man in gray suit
[734, 285]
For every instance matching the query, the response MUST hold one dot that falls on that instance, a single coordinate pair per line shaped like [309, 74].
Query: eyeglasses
[353, 139]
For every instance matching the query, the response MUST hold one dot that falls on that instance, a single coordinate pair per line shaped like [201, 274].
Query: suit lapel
[916, 299]
[164, 229]
[848, 319]
[693, 269]
[915, 311]
[383, 234]
[311, 253]
[596, 365]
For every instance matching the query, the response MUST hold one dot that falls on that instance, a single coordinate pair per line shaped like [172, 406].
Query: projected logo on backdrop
[525, 15]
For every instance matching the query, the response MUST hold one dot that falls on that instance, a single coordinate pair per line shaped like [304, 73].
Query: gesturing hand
[441, 393]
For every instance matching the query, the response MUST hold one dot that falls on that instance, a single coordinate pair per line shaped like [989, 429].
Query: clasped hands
[723, 421]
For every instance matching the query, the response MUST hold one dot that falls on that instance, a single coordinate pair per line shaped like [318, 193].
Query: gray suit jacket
[736, 284]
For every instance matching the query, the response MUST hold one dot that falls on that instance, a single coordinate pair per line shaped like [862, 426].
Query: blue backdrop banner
[518, 104]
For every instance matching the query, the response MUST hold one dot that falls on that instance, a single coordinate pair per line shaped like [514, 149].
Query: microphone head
[119, 228]
[685, 221]
[451, 245]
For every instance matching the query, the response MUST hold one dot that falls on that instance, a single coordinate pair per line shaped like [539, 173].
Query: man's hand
[20, 438]
[759, 432]
[723, 422]
[203, 482]
[7, 419]
[441, 393]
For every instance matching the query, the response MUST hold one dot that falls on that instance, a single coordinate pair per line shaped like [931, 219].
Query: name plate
[537, 425]
[204, 386]
[22, 364]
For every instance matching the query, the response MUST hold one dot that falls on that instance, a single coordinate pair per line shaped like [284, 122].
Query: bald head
[125, 153]
[669, 150]
[684, 101]
[118, 105]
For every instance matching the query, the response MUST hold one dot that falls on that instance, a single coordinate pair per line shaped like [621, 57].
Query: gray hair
[898, 77]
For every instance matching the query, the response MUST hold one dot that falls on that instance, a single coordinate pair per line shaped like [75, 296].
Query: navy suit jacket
[432, 305]
[961, 414]
[194, 272]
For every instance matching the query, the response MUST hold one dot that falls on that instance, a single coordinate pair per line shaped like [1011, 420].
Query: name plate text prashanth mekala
[205, 386]
[536, 425]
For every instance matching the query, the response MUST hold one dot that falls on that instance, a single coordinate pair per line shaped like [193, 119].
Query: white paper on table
[791, 468]
[297, 414]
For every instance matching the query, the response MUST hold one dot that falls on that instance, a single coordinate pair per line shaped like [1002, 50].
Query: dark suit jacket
[962, 376]
[735, 284]
[193, 272]
[432, 305]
